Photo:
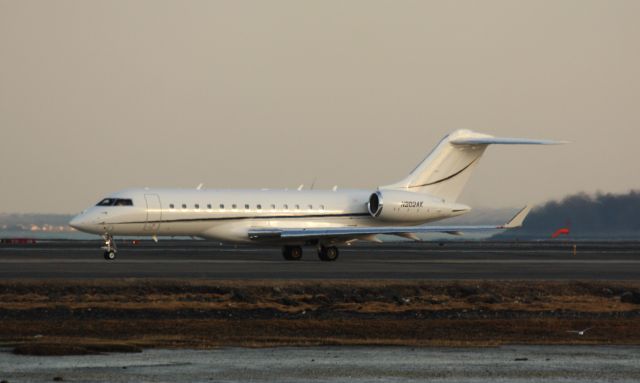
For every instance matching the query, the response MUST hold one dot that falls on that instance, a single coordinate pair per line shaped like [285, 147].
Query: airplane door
[154, 213]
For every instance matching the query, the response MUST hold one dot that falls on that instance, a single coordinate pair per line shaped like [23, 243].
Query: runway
[525, 364]
[426, 260]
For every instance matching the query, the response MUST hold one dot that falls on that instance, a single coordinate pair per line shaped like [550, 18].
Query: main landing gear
[292, 253]
[325, 253]
[110, 249]
[328, 254]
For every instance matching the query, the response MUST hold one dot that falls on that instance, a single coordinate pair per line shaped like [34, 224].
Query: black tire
[328, 254]
[286, 253]
[110, 255]
[296, 253]
[292, 253]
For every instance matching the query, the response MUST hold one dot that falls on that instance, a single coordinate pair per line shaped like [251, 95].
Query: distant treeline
[603, 216]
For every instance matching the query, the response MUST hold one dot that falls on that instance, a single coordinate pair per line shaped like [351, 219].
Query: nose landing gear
[110, 249]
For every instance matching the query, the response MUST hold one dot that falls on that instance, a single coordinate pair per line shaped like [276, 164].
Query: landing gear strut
[328, 254]
[292, 253]
[110, 249]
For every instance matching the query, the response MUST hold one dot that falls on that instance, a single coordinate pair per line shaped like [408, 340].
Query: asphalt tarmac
[425, 260]
[524, 364]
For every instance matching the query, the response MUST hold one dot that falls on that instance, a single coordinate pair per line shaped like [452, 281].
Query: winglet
[517, 219]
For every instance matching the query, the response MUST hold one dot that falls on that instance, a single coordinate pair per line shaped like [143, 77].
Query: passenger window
[321, 207]
[208, 206]
[246, 206]
[171, 206]
[310, 207]
[297, 207]
[221, 206]
[184, 205]
[197, 206]
[273, 206]
[234, 206]
[259, 206]
[285, 206]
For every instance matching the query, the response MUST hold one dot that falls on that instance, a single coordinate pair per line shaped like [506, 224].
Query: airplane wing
[258, 234]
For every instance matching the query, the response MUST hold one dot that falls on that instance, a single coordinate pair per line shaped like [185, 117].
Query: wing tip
[518, 219]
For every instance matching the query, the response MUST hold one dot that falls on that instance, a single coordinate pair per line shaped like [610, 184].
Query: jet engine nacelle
[406, 206]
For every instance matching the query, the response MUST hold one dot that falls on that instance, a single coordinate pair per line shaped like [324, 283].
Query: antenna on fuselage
[199, 187]
[335, 187]
[300, 187]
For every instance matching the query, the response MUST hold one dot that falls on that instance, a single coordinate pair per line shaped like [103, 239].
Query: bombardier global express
[293, 218]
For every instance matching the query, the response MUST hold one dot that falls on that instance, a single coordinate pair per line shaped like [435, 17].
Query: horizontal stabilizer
[502, 141]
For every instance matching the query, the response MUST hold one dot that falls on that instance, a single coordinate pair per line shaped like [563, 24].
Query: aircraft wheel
[292, 253]
[110, 255]
[328, 254]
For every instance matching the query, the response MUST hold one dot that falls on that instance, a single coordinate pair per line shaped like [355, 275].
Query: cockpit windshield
[115, 202]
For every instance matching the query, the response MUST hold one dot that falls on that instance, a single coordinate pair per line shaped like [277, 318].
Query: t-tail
[446, 170]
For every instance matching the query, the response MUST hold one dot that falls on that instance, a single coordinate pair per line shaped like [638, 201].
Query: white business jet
[293, 218]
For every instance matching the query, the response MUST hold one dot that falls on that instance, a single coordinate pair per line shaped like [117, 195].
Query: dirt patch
[79, 317]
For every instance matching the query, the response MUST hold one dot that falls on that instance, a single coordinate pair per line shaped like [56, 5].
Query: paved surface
[337, 364]
[203, 259]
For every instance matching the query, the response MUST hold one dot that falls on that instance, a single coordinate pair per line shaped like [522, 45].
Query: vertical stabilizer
[446, 170]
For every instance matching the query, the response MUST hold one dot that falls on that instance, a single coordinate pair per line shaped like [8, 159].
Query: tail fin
[448, 167]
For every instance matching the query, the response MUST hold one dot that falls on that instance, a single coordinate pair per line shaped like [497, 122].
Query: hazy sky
[97, 96]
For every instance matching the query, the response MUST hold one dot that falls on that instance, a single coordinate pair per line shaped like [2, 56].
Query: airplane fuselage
[227, 215]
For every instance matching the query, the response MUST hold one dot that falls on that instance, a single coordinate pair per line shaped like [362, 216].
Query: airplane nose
[79, 222]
